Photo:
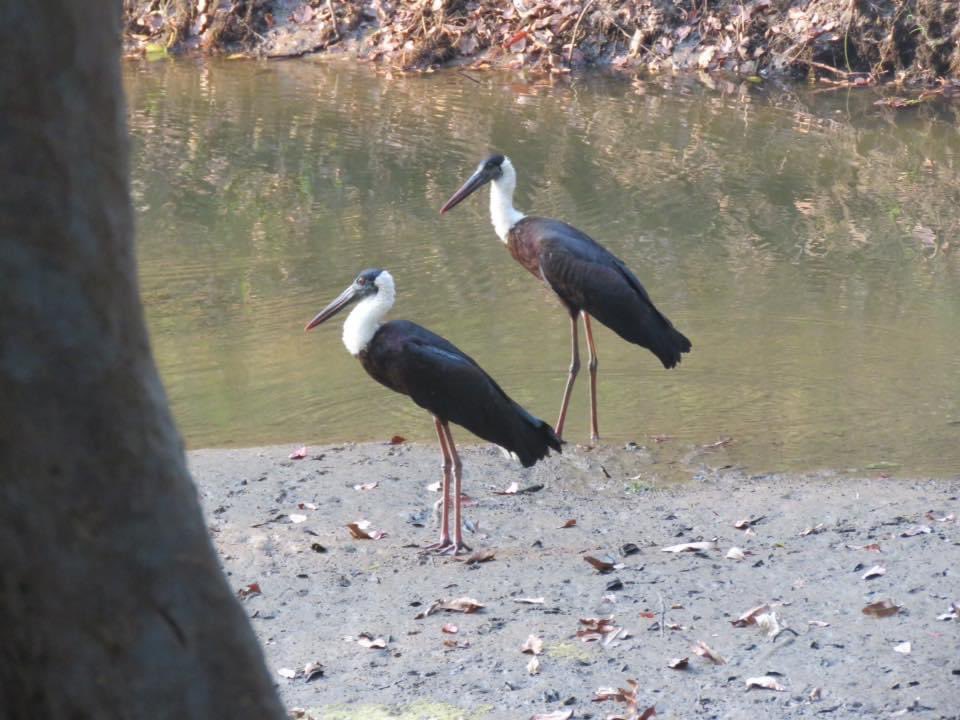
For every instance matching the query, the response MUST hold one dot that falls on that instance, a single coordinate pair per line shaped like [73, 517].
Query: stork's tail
[671, 346]
[533, 438]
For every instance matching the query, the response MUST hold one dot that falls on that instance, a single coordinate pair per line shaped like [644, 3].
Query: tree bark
[112, 604]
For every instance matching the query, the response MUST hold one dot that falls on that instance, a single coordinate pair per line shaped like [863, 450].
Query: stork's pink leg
[458, 543]
[592, 366]
[574, 369]
[444, 545]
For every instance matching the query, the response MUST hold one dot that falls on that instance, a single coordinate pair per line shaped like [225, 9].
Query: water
[805, 242]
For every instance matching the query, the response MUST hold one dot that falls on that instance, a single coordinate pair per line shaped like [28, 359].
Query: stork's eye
[361, 281]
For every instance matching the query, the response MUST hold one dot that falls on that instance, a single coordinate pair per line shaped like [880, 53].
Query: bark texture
[112, 603]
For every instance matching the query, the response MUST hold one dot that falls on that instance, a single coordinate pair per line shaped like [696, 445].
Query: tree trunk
[112, 604]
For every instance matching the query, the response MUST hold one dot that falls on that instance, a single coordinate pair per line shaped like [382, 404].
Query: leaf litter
[361, 530]
[462, 605]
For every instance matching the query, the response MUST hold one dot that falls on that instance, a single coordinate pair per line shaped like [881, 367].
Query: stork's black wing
[448, 383]
[586, 276]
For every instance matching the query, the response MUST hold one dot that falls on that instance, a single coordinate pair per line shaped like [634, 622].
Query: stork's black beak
[343, 299]
[480, 178]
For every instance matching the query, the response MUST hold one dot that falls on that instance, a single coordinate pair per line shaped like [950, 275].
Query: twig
[828, 68]
[663, 613]
[461, 72]
[573, 38]
[333, 18]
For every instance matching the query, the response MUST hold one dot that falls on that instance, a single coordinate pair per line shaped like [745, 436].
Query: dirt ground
[279, 525]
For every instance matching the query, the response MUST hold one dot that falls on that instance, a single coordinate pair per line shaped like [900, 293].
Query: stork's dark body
[445, 381]
[588, 277]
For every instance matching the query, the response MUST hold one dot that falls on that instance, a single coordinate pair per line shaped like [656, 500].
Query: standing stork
[589, 280]
[439, 378]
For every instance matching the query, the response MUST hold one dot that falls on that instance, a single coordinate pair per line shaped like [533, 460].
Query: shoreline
[807, 546]
[828, 41]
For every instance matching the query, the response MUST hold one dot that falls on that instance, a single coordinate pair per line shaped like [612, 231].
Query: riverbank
[835, 41]
[820, 551]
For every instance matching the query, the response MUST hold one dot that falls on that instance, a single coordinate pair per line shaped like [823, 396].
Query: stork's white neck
[502, 212]
[365, 318]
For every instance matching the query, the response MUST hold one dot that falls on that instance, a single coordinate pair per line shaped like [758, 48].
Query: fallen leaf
[530, 601]
[479, 556]
[691, 547]
[735, 553]
[555, 715]
[678, 663]
[450, 629]
[747, 522]
[312, 670]
[434, 487]
[872, 547]
[903, 648]
[596, 628]
[287, 673]
[818, 623]
[769, 623]
[307, 506]
[766, 682]
[369, 641]
[875, 571]
[249, 591]
[750, 616]
[397, 440]
[704, 651]
[464, 605]
[604, 566]
[881, 608]
[533, 645]
[299, 453]
[818, 528]
[568, 524]
[294, 518]
[952, 614]
[533, 667]
[815, 694]
[917, 530]
[366, 486]
[360, 530]
[511, 490]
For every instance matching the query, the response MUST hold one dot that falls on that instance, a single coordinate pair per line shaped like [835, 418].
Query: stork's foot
[446, 547]
[594, 440]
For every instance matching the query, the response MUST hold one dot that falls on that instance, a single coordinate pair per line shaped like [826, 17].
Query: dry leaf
[369, 641]
[530, 601]
[312, 670]
[678, 663]
[533, 667]
[815, 694]
[903, 648]
[511, 490]
[769, 623]
[360, 530]
[556, 715]
[294, 518]
[248, 591]
[533, 645]
[818, 528]
[766, 682]
[397, 440]
[434, 487]
[299, 453]
[307, 506]
[750, 616]
[450, 629]
[464, 605]
[704, 651]
[478, 556]
[735, 553]
[568, 524]
[875, 571]
[366, 486]
[691, 547]
[596, 628]
[952, 614]
[818, 623]
[287, 673]
[917, 530]
[747, 522]
[604, 566]
[881, 608]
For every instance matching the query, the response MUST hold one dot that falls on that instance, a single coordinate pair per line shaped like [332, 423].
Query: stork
[590, 281]
[440, 378]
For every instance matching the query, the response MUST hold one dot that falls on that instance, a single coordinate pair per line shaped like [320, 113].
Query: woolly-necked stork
[589, 280]
[442, 380]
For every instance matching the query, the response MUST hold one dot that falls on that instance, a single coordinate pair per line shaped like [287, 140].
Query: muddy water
[805, 242]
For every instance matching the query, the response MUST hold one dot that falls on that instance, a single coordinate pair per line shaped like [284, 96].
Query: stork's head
[367, 284]
[494, 168]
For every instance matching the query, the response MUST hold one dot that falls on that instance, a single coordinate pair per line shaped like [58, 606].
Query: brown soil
[841, 41]
[280, 524]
